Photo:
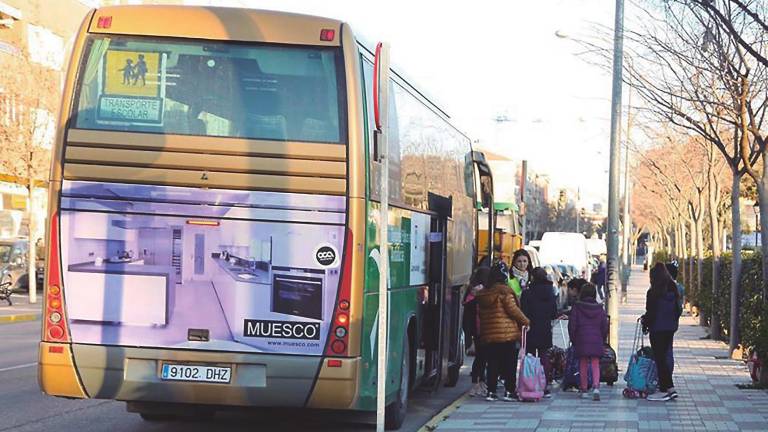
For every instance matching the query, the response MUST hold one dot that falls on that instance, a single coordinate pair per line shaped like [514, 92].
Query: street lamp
[756, 209]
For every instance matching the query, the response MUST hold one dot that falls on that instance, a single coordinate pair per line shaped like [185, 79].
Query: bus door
[434, 333]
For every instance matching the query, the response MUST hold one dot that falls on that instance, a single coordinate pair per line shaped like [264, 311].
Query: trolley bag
[641, 375]
[554, 367]
[530, 377]
[609, 368]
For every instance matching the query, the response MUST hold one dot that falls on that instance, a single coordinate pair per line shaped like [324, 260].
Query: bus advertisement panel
[175, 267]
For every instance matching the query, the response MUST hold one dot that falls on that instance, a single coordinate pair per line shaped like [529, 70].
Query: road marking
[18, 367]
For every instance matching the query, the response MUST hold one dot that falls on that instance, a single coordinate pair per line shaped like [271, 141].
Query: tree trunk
[762, 193]
[700, 265]
[733, 335]
[32, 258]
[714, 319]
[691, 258]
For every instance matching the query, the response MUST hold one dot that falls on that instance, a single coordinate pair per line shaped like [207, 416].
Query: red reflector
[344, 305]
[105, 22]
[334, 363]
[338, 346]
[327, 35]
[56, 332]
[56, 349]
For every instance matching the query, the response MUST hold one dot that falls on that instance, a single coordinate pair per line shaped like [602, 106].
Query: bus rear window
[223, 89]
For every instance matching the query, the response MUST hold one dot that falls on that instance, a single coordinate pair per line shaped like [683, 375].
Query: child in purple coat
[588, 328]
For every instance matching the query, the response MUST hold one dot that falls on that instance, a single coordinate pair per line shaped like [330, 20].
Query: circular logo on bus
[326, 255]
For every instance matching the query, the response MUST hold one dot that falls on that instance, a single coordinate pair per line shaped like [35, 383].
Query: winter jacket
[540, 306]
[662, 313]
[588, 328]
[514, 283]
[501, 319]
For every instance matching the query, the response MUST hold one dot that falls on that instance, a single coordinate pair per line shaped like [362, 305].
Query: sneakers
[491, 397]
[547, 394]
[509, 397]
[672, 393]
[585, 395]
[596, 395]
[659, 396]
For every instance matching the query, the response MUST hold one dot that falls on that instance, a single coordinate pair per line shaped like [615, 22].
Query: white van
[566, 248]
[596, 247]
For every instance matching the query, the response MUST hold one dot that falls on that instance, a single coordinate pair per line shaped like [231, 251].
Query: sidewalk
[21, 310]
[709, 399]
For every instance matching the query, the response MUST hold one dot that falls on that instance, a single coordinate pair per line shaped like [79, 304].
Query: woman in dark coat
[588, 328]
[662, 314]
[540, 306]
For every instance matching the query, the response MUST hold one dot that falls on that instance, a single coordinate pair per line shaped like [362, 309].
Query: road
[25, 408]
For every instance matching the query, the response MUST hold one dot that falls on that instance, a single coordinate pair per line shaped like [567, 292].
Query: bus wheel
[453, 375]
[394, 413]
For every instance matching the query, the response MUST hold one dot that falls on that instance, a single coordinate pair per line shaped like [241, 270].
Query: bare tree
[28, 99]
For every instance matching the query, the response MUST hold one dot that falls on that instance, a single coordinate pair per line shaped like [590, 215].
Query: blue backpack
[641, 375]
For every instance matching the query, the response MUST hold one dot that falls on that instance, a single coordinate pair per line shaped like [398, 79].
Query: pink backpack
[531, 379]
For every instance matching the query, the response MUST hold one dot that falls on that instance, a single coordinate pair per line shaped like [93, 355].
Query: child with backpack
[588, 328]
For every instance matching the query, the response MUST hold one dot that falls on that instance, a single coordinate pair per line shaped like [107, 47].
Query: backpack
[531, 379]
[641, 375]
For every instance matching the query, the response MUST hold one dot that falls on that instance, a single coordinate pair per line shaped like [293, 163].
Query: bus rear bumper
[133, 375]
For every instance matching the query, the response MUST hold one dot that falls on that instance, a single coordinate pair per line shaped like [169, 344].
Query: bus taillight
[339, 336]
[54, 324]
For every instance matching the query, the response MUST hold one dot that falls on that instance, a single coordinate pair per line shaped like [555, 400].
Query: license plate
[214, 374]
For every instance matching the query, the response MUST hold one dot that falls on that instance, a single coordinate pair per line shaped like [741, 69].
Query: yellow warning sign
[132, 73]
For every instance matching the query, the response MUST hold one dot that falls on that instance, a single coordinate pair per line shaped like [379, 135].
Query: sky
[488, 60]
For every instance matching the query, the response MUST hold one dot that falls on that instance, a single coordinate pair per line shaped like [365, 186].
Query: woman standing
[501, 321]
[522, 267]
[662, 315]
[540, 306]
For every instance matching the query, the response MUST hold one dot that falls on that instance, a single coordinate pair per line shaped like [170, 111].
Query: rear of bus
[201, 221]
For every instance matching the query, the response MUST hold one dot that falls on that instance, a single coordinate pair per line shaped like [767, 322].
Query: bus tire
[453, 375]
[394, 413]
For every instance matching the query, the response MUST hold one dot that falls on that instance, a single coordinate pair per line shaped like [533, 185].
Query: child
[501, 323]
[471, 326]
[588, 328]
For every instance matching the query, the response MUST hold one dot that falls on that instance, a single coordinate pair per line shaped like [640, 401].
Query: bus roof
[216, 23]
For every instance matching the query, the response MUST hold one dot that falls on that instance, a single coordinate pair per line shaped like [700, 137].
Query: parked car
[14, 255]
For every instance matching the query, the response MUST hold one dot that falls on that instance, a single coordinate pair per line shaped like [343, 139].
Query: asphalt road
[24, 408]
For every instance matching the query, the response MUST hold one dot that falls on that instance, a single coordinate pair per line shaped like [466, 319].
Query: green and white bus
[213, 218]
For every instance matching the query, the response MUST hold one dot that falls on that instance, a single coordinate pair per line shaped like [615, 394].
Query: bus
[213, 219]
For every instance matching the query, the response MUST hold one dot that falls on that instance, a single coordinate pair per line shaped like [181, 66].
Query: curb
[431, 425]
[20, 318]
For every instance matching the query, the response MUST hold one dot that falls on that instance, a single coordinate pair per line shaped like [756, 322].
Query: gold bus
[213, 219]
